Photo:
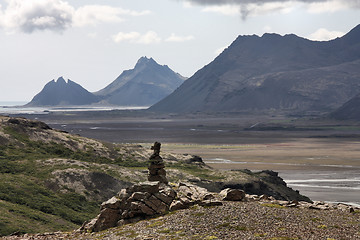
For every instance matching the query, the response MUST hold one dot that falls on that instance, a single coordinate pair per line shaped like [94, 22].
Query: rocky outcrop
[147, 199]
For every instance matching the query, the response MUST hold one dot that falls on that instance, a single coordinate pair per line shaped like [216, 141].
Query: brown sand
[294, 154]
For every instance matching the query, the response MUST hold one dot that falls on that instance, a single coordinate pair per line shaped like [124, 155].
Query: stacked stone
[132, 205]
[147, 199]
[156, 168]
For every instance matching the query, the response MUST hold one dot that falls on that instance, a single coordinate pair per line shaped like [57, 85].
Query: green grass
[195, 170]
[27, 205]
[272, 205]
[27, 192]
[23, 219]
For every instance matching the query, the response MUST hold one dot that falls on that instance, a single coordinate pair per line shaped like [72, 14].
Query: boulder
[147, 187]
[229, 194]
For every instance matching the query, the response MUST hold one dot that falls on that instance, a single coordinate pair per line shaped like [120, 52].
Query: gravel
[233, 220]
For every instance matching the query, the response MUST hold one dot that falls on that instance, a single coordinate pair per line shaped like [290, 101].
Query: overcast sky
[92, 41]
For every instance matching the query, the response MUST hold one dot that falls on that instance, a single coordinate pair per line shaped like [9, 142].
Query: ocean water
[12, 103]
[18, 108]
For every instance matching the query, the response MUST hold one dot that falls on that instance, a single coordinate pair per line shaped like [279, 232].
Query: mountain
[273, 72]
[62, 93]
[349, 111]
[144, 85]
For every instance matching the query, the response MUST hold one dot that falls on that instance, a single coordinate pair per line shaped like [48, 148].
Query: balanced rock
[156, 168]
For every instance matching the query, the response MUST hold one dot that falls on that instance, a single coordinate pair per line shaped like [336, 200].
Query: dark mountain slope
[273, 72]
[62, 93]
[349, 111]
[144, 85]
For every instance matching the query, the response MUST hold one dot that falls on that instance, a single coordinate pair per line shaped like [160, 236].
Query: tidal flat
[319, 157]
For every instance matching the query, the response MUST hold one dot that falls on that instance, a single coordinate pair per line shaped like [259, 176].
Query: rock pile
[131, 205]
[147, 199]
[156, 168]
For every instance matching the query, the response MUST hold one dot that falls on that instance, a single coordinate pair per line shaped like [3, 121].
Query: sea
[17, 107]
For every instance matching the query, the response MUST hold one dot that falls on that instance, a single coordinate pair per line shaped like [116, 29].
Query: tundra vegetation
[51, 180]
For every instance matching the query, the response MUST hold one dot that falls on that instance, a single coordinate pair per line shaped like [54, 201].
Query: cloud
[135, 37]
[93, 14]
[251, 9]
[229, 10]
[176, 38]
[239, 2]
[246, 8]
[57, 15]
[32, 15]
[149, 38]
[323, 34]
[332, 6]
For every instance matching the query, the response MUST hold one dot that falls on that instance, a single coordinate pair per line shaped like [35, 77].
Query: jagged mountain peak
[145, 61]
[145, 84]
[60, 80]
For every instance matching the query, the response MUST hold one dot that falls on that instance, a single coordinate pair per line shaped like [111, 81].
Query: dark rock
[156, 168]
[145, 187]
[195, 160]
[229, 194]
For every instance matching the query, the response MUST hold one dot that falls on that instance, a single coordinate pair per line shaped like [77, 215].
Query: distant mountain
[144, 85]
[273, 72]
[62, 93]
[349, 111]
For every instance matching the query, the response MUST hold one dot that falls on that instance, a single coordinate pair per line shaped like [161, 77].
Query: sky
[92, 42]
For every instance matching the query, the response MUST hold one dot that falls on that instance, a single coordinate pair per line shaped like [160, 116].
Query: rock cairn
[156, 168]
[145, 200]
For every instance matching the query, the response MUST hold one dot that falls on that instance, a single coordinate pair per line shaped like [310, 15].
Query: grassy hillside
[51, 180]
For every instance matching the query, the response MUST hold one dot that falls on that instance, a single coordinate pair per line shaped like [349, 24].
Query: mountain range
[273, 72]
[144, 85]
